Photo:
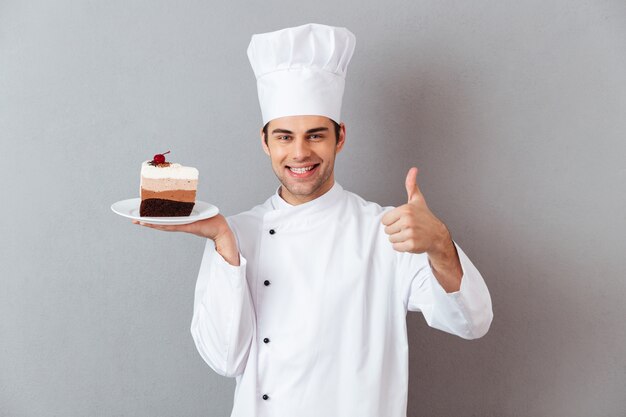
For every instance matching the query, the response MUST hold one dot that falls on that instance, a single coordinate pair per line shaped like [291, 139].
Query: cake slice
[167, 189]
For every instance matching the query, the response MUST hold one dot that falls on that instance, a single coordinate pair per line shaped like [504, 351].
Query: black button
[272, 231]
[266, 283]
[266, 340]
[266, 397]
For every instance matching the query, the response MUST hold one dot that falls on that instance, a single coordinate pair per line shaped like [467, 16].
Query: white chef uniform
[313, 321]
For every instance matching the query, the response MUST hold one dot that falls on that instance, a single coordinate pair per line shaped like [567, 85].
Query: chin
[301, 189]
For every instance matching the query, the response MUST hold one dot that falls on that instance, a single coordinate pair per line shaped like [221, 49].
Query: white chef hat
[301, 70]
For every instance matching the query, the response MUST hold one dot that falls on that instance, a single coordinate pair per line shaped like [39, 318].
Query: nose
[301, 149]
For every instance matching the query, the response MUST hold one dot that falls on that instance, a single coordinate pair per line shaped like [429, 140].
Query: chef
[303, 299]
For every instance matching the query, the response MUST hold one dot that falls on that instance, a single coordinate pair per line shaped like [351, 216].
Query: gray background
[515, 113]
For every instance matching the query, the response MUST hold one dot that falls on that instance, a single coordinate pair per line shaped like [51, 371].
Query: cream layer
[168, 184]
[171, 170]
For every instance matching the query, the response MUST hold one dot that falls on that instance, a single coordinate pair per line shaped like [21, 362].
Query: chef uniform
[312, 323]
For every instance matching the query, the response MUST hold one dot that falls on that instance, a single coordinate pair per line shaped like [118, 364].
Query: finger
[394, 228]
[391, 216]
[150, 225]
[401, 236]
[412, 190]
[159, 227]
[402, 246]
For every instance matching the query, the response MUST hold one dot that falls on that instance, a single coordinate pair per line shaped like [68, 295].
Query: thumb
[412, 190]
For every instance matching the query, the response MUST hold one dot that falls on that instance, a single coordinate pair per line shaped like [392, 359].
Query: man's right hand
[215, 228]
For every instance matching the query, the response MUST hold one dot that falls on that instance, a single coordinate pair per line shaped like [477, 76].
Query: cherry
[160, 157]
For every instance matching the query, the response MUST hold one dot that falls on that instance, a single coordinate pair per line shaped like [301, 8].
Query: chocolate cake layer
[157, 207]
[186, 196]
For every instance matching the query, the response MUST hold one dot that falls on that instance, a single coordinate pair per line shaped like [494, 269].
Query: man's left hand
[413, 228]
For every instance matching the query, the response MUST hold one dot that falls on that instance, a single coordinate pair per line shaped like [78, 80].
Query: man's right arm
[223, 322]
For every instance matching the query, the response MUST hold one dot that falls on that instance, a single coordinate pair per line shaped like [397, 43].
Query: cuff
[236, 275]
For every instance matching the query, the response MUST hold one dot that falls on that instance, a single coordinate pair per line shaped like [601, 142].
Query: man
[303, 299]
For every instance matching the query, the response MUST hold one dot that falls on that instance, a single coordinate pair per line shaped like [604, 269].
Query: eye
[282, 137]
[315, 137]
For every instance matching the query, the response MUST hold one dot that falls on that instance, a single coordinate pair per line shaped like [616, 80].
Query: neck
[296, 200]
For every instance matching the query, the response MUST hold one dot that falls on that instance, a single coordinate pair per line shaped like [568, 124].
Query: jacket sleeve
[223, 322]
[466, 313]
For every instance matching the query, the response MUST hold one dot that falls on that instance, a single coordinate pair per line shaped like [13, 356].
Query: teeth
[301, 170]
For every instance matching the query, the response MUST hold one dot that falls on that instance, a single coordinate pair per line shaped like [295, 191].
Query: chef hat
[301, 70]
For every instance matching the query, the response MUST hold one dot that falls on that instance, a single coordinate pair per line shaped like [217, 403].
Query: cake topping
[159, 159]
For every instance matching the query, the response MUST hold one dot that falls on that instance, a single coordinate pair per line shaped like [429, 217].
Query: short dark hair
[337, 130]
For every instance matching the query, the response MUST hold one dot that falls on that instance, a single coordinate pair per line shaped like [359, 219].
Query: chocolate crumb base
[158, 207]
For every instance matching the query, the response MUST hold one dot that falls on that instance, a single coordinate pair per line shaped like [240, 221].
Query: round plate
[130, 208]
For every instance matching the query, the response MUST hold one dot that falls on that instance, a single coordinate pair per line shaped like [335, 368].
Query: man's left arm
[448, 289]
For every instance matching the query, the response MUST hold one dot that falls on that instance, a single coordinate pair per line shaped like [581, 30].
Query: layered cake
[167, 189]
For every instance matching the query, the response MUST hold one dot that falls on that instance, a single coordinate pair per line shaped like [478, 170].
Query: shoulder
[371, 214]
[365, 215]
[363, 206]
[245, 226]
[250, 218]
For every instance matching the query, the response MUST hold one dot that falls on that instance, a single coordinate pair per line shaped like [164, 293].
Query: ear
[342, 137]
[266, 149]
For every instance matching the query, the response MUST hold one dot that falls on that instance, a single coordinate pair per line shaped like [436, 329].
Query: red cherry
[160, 157]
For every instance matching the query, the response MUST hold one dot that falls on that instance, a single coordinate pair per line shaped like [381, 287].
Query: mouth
[303, 171]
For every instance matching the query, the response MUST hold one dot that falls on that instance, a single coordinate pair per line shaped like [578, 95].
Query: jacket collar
[322, 202]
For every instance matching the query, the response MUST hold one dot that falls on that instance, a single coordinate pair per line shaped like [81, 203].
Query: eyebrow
[308, 132]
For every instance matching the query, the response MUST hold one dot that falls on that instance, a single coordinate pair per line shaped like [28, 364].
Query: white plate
[130, 208]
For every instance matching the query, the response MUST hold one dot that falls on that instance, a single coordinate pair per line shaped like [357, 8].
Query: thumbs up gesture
[412, 227]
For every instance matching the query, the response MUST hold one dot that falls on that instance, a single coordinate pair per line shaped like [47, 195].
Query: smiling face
[302, 150]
